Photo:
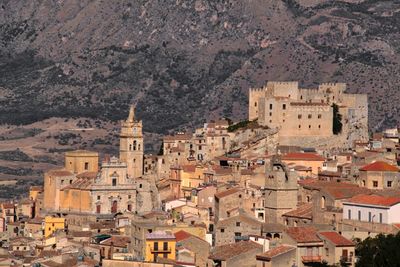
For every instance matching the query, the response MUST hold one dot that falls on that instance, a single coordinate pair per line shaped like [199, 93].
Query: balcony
[309, 259]
[346, 259]
[160, 250]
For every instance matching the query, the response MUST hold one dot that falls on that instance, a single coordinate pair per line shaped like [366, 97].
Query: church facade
[117, 186]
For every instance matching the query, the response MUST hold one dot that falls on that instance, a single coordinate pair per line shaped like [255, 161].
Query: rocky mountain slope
[185, 61]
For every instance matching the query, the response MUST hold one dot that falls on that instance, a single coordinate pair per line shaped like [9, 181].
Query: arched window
[130, 147]
[139, 147]
[134, 145]
[323, 202]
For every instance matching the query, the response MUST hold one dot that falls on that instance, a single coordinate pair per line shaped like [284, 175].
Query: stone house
[379, 175]
[308, 245]
[337, 249]
[197, 246]
[236, 228]
[227, 201]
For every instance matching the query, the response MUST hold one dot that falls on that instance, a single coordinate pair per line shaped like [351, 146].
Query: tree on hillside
[383, 250]
[337, 120]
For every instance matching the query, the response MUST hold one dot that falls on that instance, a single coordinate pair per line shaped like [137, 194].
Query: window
[375, 183]
[98, 209]
[299, 116]
[237, 234]
[326, 251]
[389, 183]
[319, 116]
[270, 114]
[129, 207]
[309, 126]
[62, 181]
[322, 202]
[255, 104]
[114, 181]
[165, 255]
[369, 216]
[155, 246]
[319, 126]
[284, 106]
[299, 126]
[86, 166]
[349, 214]
[165, 246]
[359, 215]
[140, 185]
[222, 230]
[270, 106]
[129, 196]
[237, 224]
[309, 116]
[380, 218]
[98, 197]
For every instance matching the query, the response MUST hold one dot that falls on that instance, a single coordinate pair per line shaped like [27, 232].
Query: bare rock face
[183, 62]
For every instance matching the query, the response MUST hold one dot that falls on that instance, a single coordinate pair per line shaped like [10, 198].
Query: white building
[372, 208]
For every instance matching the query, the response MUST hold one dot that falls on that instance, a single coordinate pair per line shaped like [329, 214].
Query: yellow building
[80, 161]
[308, 160]
[160, 244]
[52, 224]
[191, 177]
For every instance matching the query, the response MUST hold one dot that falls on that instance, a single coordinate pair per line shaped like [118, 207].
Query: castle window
[299, 126]
[299, 116]
[237, 224]
[270, 121]
[98, 197]
[114, 181]
[129, 196]
[222, 230]
[322, 202]
[98, 209]
[319, 116]
[70, 181]
[129, 207]
[255, 104]
[270, 106]
[130, 147]
[86, 166]
[309, 126]
[284, 106]
[140, 186]
[139, 147]
[319, 126]
[270, 114]
[301, 97]
[309, 116]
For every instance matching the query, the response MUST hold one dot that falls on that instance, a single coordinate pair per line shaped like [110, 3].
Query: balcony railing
[160, 250]
[346, 259]
[307, 259]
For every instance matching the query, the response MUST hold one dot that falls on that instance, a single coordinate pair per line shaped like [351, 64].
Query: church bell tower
[131, 145]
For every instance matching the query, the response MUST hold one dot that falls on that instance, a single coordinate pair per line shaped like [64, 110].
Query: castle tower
[280, 191]
[131, 145]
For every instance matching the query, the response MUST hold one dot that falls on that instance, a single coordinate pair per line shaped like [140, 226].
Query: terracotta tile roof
[90, 175]
[303, 234]
[80, 183]
[36, 188]
[247, 172]
[80, 233]
[189, 168]
[304, 211]
[239, 218]
[226, 252]
[160, 235]
[60, 172]
[268, 255]
[117, 241]
[182, 235]
[8, 205]
[178, 137]
[374, 200]
[379, 166]
[338, 190]
[176, 149]
[337, 239]
[303, 156]
[228, 192]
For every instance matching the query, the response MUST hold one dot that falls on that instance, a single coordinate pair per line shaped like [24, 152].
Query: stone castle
[308, 113]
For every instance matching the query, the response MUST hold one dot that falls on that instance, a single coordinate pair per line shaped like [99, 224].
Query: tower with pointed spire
[131, 145]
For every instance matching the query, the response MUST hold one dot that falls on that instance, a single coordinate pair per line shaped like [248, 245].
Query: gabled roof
[228, 251]
[337, 239]
[303, 234]
[303, 211]
[239, 218]
[117, 241]
[274, 252]
[374, 200]
[380, 166]
[228, 192]
[303, 156]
